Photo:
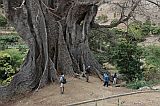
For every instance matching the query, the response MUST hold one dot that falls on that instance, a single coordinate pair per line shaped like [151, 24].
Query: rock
[156, 87]
[144, 88]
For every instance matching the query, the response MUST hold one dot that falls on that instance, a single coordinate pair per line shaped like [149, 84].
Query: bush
[142, 83]
[152, 66]
[155, 30]
[10, 61]
[140, 30]
[3, 21]
[114, 21]
[137, 84]
[101, 57]
[98, 41]
[16, 57]
[151, 72]
[5, 67]
[136, 30]
[103, 18]
[146, 28]
[126, 56]
[8, 40]
[152, 55]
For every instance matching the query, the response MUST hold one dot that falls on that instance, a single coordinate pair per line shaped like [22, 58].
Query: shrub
[142, 83]
[155, 30]
[7, 40]
[152, 55]
[98, 41]
[114, 21]
[152, 63]
[146, 28]
[5, 66]
[16, 57]
[3, 21]
[126, 56]
[137, 84]
[135, 30]
[10, 61]
[101, 57]
[7, 81]
[151, 72]
[102, 18]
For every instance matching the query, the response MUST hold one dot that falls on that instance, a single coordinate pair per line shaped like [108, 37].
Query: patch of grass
[142, 83]
[137, 84]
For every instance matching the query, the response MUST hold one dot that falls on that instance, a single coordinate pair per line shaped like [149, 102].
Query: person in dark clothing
[4, 75]
[106, 79]
[87, 72]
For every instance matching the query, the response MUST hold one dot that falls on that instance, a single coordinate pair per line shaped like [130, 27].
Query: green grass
[141, 83]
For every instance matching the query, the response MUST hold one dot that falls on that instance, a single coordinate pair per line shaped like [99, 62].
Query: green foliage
[5, 66]
[3, 21]
[114, 21]
[101, 57]
[155, 30]
[23, 49]
[16, 57]
[142, 83]
[13, 41]
[152, 55]
[7, 81]
[137, 84]
[123, 52]
[12, 53]
[98, 40]
[140, 30]
[146, 28]
[102, 18]
[136, 30]
[151, 72]
[152, 63]
[8, 40]
[126, 56]
[10, 61]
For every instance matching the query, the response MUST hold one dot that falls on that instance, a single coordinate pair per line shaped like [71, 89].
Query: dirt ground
[77, 90]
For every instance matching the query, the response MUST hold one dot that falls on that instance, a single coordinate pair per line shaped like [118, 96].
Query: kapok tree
[56, 34]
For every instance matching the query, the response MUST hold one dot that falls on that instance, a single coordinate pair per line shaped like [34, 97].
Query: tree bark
[56, 34]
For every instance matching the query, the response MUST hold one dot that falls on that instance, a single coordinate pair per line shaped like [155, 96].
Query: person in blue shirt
[105, 79]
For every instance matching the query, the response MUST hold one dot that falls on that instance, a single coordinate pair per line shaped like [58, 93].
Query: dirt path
[79, 90]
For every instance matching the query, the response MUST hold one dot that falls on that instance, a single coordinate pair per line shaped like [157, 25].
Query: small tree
[126, 56]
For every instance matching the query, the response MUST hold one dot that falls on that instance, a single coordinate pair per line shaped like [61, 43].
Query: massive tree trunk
[56, 34]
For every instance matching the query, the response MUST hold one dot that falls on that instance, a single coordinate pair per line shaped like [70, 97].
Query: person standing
[87, 72]
[115, 78]
[106, 79]
[62, 82]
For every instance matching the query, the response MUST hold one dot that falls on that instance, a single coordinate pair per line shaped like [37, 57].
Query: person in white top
[115, 78]
[62, 82]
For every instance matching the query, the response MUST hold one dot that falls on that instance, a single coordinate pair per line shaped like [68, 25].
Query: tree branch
[122, 19]
[154, 3]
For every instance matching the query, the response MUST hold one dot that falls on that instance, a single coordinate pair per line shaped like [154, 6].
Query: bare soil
[77, 90]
